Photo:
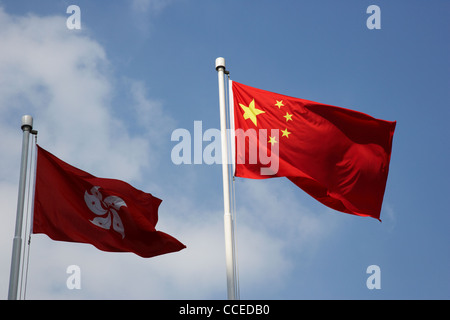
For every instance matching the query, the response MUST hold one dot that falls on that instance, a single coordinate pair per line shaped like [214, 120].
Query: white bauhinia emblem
[106, 209]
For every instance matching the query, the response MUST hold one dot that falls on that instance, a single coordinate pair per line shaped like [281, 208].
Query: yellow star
[279, 104]
[251, 112]
[272, 140]
[288, 116]
[286, 133]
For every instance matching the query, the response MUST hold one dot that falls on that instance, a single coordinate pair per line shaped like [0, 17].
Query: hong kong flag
[338, 156]
[73, 205]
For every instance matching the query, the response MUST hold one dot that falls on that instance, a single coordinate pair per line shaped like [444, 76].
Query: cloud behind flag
[73, 205]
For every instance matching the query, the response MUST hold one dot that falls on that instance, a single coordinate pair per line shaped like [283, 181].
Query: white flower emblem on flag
[109, 207]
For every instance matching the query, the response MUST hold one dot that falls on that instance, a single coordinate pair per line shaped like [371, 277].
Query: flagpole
[27, 126]
[228, 218]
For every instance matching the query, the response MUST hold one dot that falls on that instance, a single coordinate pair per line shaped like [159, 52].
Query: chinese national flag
[73, 205]
[338, 156]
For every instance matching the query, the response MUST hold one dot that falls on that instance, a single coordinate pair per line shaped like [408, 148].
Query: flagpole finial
[220, 63]
[27, 121]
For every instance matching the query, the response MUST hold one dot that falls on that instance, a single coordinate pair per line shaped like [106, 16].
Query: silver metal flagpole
[27, 126]
[228, 218]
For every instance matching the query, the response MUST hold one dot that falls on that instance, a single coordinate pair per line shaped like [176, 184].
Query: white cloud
[143, 10]
[64, 79]
[274, 205]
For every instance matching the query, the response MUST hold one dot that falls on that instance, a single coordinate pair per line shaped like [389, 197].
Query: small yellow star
[251, 112]
[288, 116]
[279, 104]
[286, 133]
[272, 140]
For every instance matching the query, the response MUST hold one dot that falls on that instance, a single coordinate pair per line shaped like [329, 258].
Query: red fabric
[73, 205]
[338, 156]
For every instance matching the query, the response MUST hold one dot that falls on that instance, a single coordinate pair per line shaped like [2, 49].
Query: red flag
[338, 156]
[73, 205]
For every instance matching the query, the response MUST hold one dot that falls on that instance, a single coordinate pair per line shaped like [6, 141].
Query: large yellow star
[251, 112]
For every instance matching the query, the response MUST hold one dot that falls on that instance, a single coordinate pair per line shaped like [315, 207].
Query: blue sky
[106, 99]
